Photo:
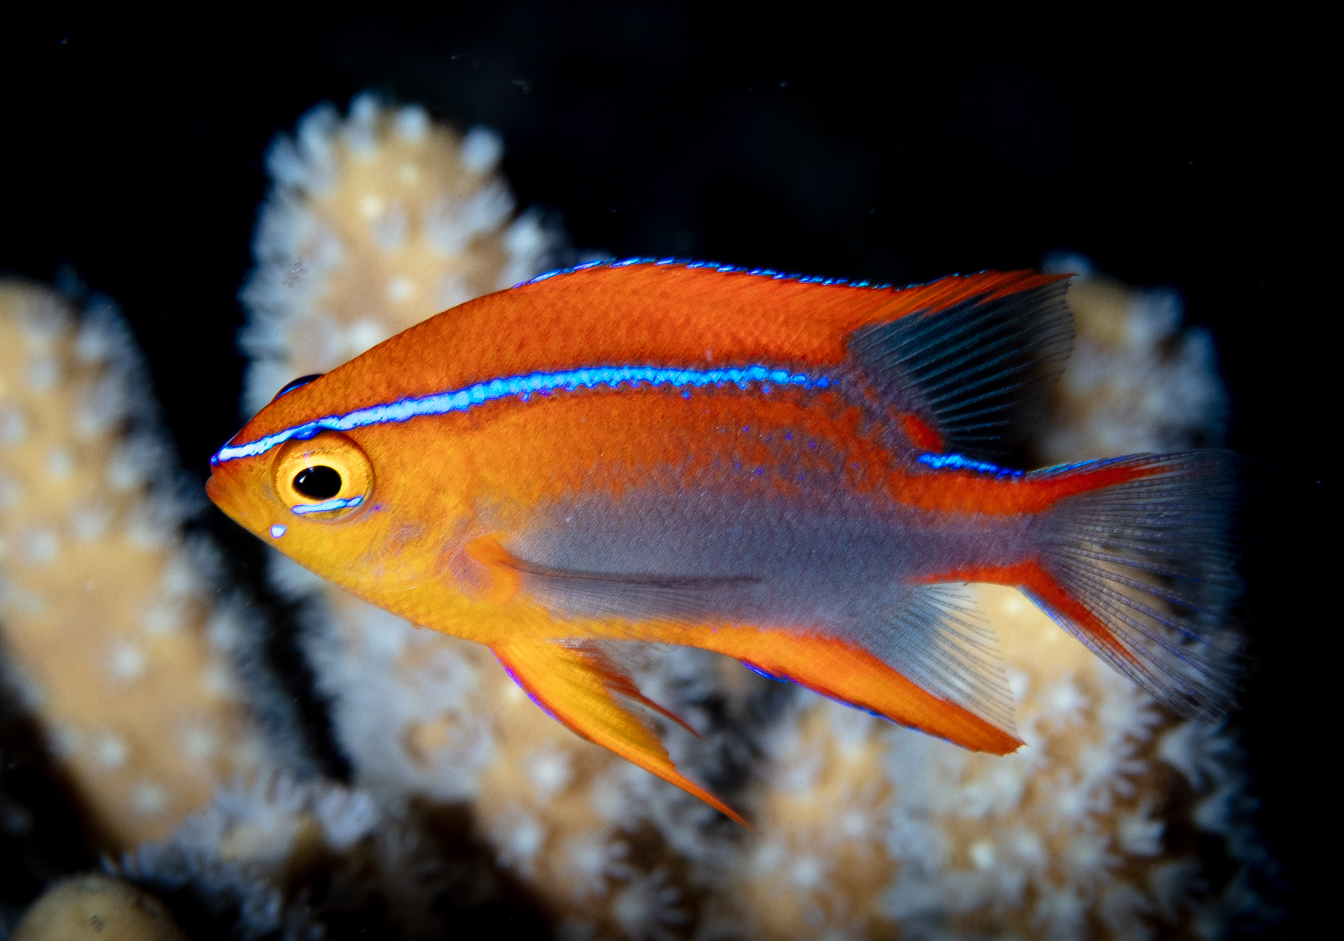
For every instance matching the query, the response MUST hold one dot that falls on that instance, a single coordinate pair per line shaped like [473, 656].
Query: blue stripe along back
[522, 387]
[713, 265]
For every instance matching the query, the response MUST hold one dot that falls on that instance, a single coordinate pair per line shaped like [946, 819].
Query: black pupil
[318, 483]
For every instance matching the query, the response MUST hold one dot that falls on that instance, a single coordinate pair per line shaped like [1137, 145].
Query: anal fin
[578, 594]
[583, 690]
[848, 673]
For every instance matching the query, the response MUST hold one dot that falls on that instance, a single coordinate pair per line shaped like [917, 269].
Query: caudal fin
[1143, 572]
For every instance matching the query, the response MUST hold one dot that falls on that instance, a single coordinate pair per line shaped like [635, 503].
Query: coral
[865, 829]
[235, 858]
[92, 907]
[375, 222]
[1136, 381]
[868, 823]
[112, 634]
[313, 859]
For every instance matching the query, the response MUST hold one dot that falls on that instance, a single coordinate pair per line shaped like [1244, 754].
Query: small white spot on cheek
[277, 531]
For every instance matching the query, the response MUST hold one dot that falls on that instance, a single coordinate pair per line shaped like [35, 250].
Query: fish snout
[227, 489]
[213, 490]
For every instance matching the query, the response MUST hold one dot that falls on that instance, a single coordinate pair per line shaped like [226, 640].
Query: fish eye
[320, 482]
[325, 478]
[295, 383]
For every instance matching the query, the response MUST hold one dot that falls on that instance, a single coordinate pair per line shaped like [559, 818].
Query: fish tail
[1136, 557]
[1141, 568]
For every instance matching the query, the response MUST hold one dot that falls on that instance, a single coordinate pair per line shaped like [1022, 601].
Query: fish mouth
[224, 497]
[214, 490]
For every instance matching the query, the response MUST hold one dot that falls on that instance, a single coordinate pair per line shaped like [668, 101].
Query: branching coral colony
[375, 223]
[382, 218]
[111, 630]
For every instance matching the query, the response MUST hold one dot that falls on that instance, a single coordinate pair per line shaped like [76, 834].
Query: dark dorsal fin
[971, 378]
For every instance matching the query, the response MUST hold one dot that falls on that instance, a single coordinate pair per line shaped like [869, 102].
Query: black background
[1172, 153]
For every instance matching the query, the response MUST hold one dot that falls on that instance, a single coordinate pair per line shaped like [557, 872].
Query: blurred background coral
[272, 758]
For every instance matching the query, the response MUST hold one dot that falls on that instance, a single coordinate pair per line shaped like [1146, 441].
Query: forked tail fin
[1143, 571]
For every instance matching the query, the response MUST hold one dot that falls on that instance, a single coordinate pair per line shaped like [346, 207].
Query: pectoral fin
[578, 594]
[581, 688]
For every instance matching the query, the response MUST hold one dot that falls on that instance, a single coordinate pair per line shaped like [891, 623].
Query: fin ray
[586, 692]
[934, 636]
[845, 671]
[977, 371]
[1154, 560]
[926, 637]
[1142, 571]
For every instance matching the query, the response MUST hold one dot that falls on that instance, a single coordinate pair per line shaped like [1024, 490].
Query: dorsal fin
[971, 378]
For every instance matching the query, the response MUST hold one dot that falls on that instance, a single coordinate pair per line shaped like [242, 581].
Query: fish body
[793, 472]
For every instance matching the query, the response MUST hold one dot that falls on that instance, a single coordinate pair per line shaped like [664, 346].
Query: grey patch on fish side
[697, 558]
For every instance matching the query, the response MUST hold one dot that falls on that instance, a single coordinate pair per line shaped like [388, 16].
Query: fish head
[371, 509]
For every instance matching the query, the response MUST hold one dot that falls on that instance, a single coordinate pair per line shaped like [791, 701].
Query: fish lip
[214, 490]
[227, 499]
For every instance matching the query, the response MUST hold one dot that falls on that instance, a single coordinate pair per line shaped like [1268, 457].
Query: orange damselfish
[794, 472]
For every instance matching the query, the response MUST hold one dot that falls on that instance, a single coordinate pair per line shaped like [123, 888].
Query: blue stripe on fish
[326, 505]
[960, 462]
[727, 269]
[957, 461]
[523, 387]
